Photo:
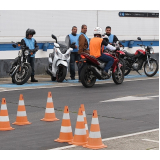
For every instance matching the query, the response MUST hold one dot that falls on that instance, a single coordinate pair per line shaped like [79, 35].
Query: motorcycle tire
[61, 73]
[27, 75]
[127, 70]
[123, 63]
[84, 77]
[156, 69]
[115, 77]
[53, 78]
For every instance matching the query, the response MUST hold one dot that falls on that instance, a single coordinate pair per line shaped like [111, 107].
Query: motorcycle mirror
[139, 38]
[54, 37]
[14, 45]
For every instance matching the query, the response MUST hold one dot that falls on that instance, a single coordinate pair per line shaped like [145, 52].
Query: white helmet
[97, 30]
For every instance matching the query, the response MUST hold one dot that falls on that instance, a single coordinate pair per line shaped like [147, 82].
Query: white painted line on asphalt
[150, 140]
[130, 98]
[74, 85]
[106, 139]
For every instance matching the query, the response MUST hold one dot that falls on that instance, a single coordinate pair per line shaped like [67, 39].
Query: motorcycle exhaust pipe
[96, 72]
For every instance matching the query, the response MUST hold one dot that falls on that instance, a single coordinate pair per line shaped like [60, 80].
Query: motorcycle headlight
[26, 52]
[151, 51]
[66, 56]
[20, 53]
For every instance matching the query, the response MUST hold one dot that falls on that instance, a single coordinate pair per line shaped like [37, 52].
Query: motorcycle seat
[129, 54]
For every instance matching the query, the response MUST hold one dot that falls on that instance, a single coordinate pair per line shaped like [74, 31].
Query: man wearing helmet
[95, 49]
[30, 42]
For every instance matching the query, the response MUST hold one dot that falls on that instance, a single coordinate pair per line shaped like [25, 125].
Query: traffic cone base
[67, 137]
[49, 120]
[66, 129]
[6, 129]
[79, 141]
[97, 141]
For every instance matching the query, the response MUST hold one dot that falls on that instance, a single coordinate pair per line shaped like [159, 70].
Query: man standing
[30, 42]
[112, 38]
[74, 56]
[83, 40]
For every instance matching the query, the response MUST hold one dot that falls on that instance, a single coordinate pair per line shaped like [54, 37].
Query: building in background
[126, 25]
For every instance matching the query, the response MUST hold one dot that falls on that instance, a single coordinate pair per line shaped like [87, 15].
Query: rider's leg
[107, 59]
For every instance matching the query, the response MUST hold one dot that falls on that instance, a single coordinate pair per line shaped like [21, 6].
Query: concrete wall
[13, 25]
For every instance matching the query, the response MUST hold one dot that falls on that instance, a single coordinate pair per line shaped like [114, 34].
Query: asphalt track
[116, 118]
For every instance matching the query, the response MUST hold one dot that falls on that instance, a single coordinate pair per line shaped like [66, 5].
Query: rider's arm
[115, 39]
[108, 46]
[36, 47]
[23, 44]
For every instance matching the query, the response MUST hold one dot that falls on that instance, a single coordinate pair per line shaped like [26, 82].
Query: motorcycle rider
[112, 38]
[95, 49]
[33, 48]
[74, 56]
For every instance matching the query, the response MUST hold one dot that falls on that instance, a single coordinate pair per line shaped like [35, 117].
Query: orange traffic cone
[80, 136]
[21, 113]
[85, 119]
[94, 140]
[49, 113]
[66, 129]
[4, 118]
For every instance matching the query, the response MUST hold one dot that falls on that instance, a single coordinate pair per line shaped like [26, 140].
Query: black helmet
[30, 31]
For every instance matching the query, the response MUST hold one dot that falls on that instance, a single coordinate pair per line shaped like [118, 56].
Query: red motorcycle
[141, 58]
[91, 69]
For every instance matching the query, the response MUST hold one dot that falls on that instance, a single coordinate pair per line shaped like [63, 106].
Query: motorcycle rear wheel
[19, 81]
[87, 78]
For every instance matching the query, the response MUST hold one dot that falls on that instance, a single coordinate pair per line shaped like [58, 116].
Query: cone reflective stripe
[94, 140]
[21, 113]
[4, 118]
[85, 119]
[80, 136]
[49, 112]
[66, 129]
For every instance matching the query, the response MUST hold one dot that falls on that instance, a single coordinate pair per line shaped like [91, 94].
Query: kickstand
[138, 72]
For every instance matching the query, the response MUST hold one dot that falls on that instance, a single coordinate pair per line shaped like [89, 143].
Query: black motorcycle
[141, 58]
[20, 70]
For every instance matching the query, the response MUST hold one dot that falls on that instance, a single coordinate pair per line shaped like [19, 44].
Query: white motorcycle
[58, 61]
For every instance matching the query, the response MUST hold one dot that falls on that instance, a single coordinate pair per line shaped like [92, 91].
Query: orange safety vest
[95, 46]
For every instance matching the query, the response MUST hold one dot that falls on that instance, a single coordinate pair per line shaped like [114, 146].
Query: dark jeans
[31, 60]
[74, 56]
[107, 59]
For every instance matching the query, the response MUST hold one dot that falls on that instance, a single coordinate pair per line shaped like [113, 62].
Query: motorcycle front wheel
[127, 69]
[87, 77]
[152, 70]
[118, 75]
[21, 76]
[61, 73]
